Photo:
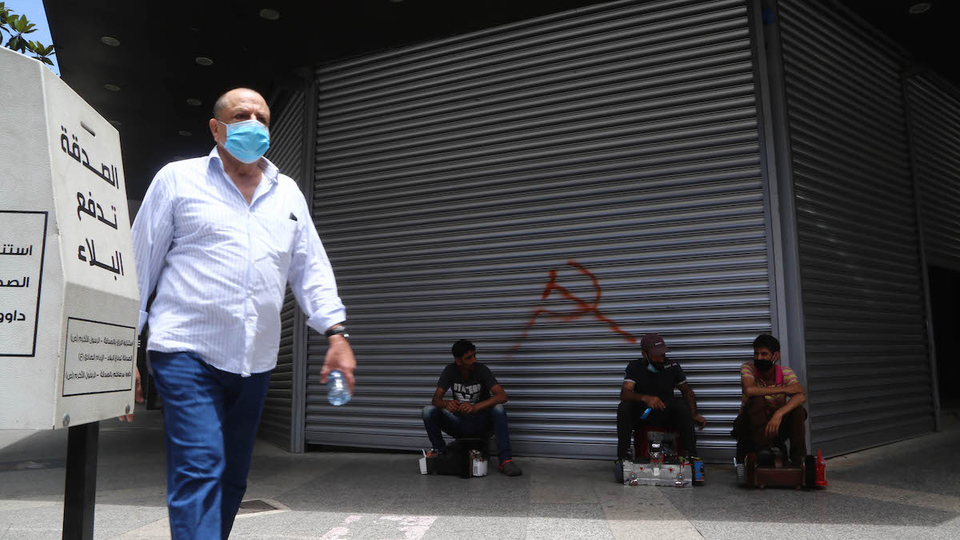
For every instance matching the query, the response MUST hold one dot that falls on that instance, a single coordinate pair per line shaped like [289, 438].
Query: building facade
[554, 189]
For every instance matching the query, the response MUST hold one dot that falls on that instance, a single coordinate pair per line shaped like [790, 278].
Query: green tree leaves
[16, 26]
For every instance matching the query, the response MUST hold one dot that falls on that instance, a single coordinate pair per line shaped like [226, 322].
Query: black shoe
[510, 468]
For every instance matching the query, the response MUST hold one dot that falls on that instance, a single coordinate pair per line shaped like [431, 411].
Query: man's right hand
[452, 406]
[653, 402]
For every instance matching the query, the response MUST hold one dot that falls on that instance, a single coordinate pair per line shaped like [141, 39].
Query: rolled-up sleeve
[311, 276]
[152, 235]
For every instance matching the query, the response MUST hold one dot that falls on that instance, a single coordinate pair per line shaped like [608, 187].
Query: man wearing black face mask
[648, 384]
[771, 404]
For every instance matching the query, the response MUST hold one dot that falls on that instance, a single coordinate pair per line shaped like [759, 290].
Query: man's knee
[430, 411]
[678, 410]
[797, 415]
[757, 409]
[680, 406]
[498, 410]
[756, 401]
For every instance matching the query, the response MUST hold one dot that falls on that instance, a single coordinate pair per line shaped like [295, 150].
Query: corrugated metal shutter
[860, 263]
[935, 137]
[453, 177]
[286, 152]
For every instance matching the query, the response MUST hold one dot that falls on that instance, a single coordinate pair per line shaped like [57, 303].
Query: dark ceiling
[156, 71]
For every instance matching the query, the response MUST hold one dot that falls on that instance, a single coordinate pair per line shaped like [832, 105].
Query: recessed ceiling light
[920, 7]
[185, 133]
[396, 1]
[204, 61]
[194, 102]
[112, 87]
[111, 41]
[270, 14]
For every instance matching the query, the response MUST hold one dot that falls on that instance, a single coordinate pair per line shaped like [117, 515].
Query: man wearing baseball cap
[648, 384]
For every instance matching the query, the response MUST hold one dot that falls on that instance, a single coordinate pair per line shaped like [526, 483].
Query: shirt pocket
[274, 238]
[272, 243]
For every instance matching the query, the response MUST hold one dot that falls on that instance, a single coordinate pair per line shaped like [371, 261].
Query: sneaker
[618, 471]
[510, 468]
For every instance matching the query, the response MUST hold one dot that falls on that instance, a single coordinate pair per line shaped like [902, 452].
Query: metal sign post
[69, 304]
[80, 489]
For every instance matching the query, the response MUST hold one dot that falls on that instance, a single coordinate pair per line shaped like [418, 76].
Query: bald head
[239, 97]
[237, 105]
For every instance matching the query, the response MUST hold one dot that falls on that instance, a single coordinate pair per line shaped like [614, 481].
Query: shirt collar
[270, 171]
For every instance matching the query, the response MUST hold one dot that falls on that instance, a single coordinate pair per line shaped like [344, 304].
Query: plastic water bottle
[337, 391]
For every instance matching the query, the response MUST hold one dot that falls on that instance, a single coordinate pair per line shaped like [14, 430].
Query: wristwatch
[337, 330]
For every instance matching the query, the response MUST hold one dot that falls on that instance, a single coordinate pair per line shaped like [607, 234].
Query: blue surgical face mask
[247, 141]
[652, 369]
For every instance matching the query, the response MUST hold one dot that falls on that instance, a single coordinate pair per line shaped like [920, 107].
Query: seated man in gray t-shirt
[476, 407]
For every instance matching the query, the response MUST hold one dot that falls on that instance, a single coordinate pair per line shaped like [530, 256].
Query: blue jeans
[210, 419]
[478, 424]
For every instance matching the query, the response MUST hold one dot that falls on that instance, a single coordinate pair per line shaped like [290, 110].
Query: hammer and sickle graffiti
[583, 307]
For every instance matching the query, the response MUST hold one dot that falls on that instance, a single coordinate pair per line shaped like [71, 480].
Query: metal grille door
[286, 152]
[550, 190]
[935, 138]
[867, 365]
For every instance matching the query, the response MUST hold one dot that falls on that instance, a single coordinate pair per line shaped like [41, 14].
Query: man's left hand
[137, 396]
[339, 357]
[466, 408]
[700, 421]
[773, 426]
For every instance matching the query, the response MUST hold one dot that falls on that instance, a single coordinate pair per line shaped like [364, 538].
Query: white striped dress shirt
[220, 266]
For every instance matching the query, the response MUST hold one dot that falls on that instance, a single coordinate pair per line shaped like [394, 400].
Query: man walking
[217, 239]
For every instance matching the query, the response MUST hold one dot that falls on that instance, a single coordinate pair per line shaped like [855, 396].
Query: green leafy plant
[17, 26]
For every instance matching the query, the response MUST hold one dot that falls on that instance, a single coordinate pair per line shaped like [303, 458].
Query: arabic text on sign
[116, 260]
[10, 249]
[86, 205]
[13, 316]
[16, 282]
[107, 172]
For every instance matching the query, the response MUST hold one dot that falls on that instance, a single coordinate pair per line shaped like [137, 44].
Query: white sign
[69, 303]
[22, 237]
[91, 193]
[99, 358]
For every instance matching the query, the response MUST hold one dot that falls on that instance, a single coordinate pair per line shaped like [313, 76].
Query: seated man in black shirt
[649, 383]
[477, 405]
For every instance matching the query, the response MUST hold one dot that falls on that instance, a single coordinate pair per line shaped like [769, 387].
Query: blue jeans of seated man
[457, 426]
[210, 419]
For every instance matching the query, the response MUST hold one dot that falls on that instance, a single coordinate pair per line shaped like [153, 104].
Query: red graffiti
[583, 307]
